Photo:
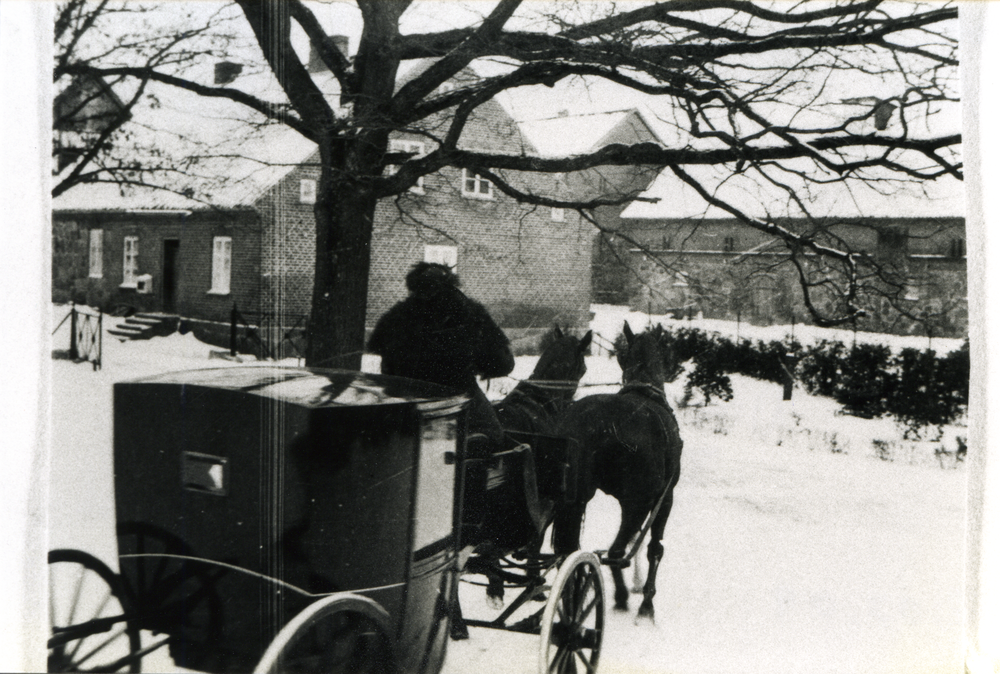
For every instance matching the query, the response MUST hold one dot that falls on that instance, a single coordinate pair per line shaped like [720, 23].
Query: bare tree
[97, 128]
[768, 92]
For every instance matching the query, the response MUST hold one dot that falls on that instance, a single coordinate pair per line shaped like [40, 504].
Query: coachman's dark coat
[437, 334]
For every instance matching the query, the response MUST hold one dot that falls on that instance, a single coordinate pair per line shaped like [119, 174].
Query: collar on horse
[540, 392]
[652, 391]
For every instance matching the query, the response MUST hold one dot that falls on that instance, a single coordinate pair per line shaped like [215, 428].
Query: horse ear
[585, 342]
[628, 333]
[558, 332]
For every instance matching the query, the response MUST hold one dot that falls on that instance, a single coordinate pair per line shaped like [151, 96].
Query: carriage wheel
[573, 621]
[169, 593]
[91, 631]
[343, 633]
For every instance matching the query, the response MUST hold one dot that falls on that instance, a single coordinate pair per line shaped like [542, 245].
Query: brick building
[241, 231]
[679, 256]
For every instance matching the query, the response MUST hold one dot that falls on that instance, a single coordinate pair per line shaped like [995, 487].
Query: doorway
[171, 249]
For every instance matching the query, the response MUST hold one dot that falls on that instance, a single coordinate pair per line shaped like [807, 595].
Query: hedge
[917, 388]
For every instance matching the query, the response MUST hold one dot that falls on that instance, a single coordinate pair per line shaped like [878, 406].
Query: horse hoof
[645, 613]
[495, 603]
[459, 632]
[621, 607]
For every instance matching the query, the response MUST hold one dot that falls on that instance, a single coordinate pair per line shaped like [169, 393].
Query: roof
[678, 200]
[225, 155]
[313, 387]
[567, 135]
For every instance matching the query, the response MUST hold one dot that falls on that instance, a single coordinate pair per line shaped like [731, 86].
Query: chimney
[227, 71]
[316, 64]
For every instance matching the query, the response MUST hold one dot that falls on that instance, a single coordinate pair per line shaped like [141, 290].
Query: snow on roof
[225, 156]
[678, 200]
[567, 135]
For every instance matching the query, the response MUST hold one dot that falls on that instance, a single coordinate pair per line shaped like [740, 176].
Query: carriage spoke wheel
[168, 593]
[91, 631]
[573, 621]
[340, 634]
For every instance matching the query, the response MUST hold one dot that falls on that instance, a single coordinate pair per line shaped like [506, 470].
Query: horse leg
[494, 592]
[655, 554]
[633, 513]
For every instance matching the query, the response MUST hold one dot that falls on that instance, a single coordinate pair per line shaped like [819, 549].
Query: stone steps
[145, 326]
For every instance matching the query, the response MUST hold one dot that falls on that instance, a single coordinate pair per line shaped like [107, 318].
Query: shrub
[865, 383]
[916, 387]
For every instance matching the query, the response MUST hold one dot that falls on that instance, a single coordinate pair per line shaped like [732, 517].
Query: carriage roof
[317, 388]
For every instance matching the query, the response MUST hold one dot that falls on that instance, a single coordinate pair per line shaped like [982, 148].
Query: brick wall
[756, 288]
[194, 233]
[527, 268]
[524, 266]
[70, 245]
[288, 244]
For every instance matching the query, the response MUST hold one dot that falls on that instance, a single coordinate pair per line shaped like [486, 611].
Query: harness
[536, 392]
[647, 390]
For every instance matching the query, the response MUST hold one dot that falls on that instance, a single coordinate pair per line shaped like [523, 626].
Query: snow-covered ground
[800, 539]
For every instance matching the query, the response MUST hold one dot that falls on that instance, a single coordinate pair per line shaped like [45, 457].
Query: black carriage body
[244, 494]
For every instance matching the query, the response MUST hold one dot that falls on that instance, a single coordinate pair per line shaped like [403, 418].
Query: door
[171, 250]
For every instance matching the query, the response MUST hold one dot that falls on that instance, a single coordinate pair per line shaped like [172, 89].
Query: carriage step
[614, 562]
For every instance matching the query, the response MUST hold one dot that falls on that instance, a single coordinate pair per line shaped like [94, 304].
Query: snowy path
[783, 555]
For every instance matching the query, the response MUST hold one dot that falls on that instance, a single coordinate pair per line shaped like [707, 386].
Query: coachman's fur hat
[430, 278]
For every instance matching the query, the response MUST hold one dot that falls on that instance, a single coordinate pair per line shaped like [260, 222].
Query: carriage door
[171, 248]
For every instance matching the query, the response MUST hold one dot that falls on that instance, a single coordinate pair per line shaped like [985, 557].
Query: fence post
[232, 331]
[787, 362]
[100, 339]
[74, 351]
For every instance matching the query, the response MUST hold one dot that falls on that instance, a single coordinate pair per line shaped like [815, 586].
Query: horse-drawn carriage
[286, 519]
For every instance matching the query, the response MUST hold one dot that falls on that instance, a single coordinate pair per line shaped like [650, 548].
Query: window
[442, 255]
[307, 191]
[956, 248]
[130, 261]
[474, 185]
[729, 244]
[414, 147]
[96, 253]
[558, 214]
[222, 262]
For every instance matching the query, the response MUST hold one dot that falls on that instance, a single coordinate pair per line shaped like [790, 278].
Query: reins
[646, 389]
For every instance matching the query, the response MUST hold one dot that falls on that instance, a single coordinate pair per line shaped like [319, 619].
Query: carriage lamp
[204, 473]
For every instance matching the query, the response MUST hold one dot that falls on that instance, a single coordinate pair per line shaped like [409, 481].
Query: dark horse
[527, 414]
[534, 404]
[630, 448]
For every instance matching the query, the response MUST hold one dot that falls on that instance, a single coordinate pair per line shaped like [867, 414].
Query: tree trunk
[345, 209]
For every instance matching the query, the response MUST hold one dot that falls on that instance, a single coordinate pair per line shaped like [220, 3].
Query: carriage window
[307, 191]
[417, 149]
[130, 261]
[558, 214]
[222, 254]
[474, 185]
[442, 255]
[956, 248]
[96, 253]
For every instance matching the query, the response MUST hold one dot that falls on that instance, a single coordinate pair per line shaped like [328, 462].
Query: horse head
[563, 358]
[642, 361]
